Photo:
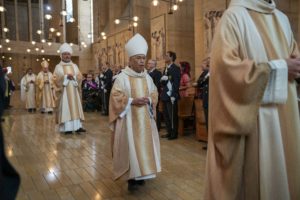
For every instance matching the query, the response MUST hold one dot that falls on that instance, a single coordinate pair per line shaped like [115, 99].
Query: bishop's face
[137, 63]
[45, 69]
[66, 57]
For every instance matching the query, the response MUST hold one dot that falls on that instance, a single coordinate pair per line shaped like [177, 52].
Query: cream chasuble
[254, 125]
[136, 149]
[28, 90]
[70, 111]
[45, 91]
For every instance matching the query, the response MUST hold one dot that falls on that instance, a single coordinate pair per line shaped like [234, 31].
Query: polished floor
[67, 167]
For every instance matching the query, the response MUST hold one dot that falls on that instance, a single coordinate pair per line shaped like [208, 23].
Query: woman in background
[185, 78]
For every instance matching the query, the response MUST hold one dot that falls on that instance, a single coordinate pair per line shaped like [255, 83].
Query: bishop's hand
[293, 64]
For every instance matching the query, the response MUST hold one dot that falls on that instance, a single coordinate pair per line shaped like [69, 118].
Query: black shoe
[141, 182]
[43, 112]
[166, 135]
[68, 132]
[50, 112]
[132, 185]
[81, 130]
[2, 120]
[172, 137]
[30, 110]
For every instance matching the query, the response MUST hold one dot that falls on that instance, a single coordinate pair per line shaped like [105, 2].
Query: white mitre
[136, 45]
[65, 47]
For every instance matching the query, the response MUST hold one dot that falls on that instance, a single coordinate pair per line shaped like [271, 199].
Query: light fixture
[37, 49]
[33, 42]
[173, 4]
[58, 51]
[39, 32]
[48, 59]
[5, 29]
[42, 50]
[7, 40]
[72, 19]
[63, 13]
[49, 43]
[82, 43]
[28, 50]
[89, 35]
[2, 9]
[104, 37]
[85, 46]
[58, 34]
[37, 60]
[130, 18]
[0, 46]
[3, 57]
[8, 49]
[102, 33]
[10, 58]
[43, 40]
[175, 7]
[43, 58]
[135, 18]
[71, 44]
[48, 16]
[48, 8]
[52, 30]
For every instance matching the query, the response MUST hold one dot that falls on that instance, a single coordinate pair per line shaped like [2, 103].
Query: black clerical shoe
[81, 130]
[68, 132]
[141, 182]
[172, 137]
[166, 135]
[132, 185]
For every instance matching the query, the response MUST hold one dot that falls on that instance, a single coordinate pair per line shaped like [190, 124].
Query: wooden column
[3, 20]
[30, 20]
[63, 6]
[16, 20]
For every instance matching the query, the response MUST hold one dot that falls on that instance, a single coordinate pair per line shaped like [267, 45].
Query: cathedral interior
[79, 166]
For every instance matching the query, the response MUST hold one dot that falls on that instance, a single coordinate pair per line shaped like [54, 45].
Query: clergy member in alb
[133, 99]
[254, 125]
[45, 89]
[68, 78]
[28, 90]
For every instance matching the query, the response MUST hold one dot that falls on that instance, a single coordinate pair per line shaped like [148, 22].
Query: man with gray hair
[68, 78]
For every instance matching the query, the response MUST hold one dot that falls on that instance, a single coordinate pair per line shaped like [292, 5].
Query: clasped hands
[140, 101]
[293, 64]
[70, 77]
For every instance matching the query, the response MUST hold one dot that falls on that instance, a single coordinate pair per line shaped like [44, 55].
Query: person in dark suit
[105, 88]
[2, 90]
[10, 87]
[9, 178]
[170, 83]
[156, 76]
[203, 85]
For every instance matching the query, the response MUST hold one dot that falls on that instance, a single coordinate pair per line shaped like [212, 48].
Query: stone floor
[67, 167]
